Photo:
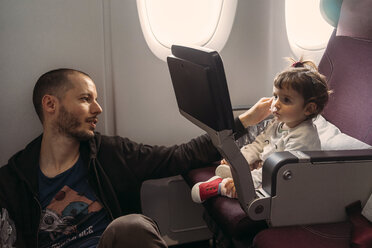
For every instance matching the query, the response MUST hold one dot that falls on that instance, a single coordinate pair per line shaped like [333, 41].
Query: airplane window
[185, 22]
[307, 30]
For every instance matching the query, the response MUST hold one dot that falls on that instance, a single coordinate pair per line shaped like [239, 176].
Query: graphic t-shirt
[71, 215]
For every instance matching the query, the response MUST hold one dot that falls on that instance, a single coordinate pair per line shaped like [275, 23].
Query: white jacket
[303, 137]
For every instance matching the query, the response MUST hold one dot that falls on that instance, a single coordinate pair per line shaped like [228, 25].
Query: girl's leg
[223, 171]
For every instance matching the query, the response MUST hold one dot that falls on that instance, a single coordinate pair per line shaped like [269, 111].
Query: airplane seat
[347, 65]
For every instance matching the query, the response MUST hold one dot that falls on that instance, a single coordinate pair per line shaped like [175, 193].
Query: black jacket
[116, 167]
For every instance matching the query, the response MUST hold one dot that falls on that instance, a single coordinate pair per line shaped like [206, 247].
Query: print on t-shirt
[67, 209]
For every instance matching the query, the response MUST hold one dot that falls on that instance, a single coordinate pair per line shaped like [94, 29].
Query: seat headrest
[355, 19]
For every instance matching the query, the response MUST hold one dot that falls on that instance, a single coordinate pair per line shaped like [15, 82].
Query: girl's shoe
[204, 190]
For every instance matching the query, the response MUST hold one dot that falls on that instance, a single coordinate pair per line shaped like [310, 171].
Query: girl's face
[288, 106]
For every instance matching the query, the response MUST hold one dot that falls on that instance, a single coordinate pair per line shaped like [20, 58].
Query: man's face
[78, 110]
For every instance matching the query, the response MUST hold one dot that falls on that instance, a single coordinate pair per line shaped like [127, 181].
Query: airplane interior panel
[213, 124]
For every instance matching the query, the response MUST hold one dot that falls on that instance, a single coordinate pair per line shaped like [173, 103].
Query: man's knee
[134, 230]
[132, 224]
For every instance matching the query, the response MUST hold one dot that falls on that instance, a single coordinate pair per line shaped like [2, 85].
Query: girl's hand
[256, 165]
[230, 188]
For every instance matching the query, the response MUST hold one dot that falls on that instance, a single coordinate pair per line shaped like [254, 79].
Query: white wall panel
[104, 39]
[145, 106]
[35, 37]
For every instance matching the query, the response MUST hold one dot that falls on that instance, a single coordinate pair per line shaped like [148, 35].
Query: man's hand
[257, 113]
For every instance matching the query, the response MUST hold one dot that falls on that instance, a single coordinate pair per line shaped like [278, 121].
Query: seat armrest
[314, 187]
[275, 161]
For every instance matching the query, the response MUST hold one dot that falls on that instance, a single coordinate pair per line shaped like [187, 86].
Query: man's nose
[96, 108]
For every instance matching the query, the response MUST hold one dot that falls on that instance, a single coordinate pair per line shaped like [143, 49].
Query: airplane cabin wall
[104, 39]
[145, 106]
[38, 36]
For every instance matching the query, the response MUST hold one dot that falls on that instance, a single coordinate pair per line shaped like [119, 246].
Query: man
[73, 187]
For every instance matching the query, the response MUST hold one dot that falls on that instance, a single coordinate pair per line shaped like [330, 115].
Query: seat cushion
[225, 212]
[335, 235]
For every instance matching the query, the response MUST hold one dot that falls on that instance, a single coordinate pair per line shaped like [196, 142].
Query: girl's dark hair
[304, 77]
[56, 83]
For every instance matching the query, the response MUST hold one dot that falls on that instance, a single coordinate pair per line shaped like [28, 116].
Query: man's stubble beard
[67, 124]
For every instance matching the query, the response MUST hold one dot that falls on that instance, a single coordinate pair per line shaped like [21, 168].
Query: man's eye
[287, 100]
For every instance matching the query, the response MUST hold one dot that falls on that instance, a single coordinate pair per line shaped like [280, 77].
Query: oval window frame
[298, 47]
[216, 41]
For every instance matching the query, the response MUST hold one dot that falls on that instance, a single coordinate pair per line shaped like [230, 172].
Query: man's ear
[310, 108]
[49, 104]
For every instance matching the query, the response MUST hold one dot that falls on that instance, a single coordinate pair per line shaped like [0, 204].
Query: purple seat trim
[335, 235]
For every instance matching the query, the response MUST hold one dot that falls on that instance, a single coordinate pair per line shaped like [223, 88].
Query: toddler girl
[299, 94]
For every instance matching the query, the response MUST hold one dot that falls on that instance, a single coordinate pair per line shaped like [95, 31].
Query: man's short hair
[55, 83]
